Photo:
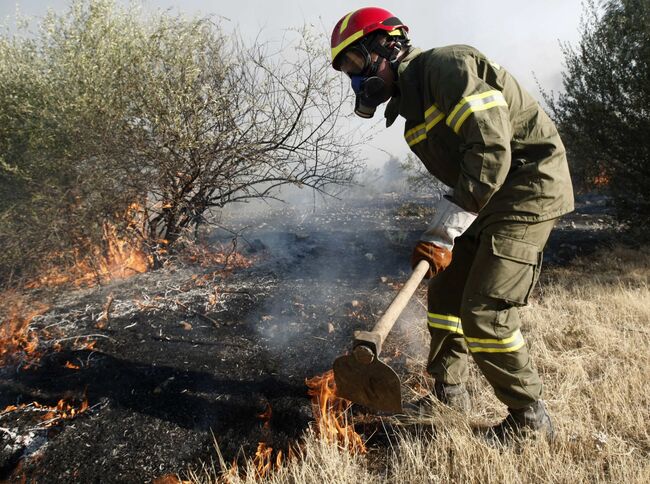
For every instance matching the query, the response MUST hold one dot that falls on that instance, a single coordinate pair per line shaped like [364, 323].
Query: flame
[330, 413]
[331, 416]
[263, 460]
[71, 366]
[123, 254]
[601, 180]
[18, 343]
[52, 415]
[118, 257]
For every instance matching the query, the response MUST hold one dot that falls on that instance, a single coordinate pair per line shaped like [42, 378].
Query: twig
[103, 320]
[80, 336]
[8, 431]
[47, 423]
[196, 313]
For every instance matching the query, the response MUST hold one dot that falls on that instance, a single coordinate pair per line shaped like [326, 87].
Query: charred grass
[589, 331]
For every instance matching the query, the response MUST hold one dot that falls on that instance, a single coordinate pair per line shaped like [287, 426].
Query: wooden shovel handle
[386, 322]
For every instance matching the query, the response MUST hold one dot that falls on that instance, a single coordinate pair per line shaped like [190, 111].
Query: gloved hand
[437, 257]
[435, 245]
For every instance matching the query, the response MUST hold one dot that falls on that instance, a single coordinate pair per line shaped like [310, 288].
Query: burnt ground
[190, 355]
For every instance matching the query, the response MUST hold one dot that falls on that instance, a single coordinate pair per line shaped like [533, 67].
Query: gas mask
[368, 86]
[369, 94]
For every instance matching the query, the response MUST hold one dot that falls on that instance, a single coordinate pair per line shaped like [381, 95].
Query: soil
[191, 355]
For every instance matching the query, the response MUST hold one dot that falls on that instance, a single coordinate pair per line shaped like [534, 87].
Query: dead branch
[103, 320]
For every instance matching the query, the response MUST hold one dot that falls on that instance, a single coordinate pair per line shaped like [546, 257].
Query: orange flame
[601, 180]
[263, 460]
[331, 413]
[118, 257]
[18, 343]
[52, 415]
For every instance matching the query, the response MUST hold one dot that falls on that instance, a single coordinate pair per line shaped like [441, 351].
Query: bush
[104, 108]
[603, 113]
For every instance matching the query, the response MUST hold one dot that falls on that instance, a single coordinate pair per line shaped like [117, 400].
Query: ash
[187, 355]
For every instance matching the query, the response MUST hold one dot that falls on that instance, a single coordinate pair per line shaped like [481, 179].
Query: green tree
[103, 107]
[604, 111]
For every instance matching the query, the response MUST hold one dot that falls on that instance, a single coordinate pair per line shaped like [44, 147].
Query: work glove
[437, 242]
[437, 257]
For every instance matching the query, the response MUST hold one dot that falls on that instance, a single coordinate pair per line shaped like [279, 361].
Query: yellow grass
[589, 333]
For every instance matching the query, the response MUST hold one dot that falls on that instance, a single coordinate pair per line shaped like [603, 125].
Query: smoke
[335, 263]
[391, 176]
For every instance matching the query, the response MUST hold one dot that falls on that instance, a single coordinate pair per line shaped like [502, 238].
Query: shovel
[362, 377]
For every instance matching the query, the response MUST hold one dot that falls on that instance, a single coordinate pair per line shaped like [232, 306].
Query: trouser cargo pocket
[515, 266]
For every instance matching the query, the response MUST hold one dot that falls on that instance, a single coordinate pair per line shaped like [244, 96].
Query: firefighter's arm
[478, 114]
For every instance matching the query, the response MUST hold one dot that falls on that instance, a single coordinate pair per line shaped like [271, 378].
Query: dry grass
[589, 330]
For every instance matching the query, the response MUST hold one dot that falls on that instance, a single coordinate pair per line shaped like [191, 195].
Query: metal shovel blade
[374, 385]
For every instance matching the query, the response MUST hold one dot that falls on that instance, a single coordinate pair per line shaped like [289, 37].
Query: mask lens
[353, 62]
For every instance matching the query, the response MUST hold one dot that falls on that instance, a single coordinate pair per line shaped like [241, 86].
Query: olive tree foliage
[56, 99]
[604, 111]
[103, 108]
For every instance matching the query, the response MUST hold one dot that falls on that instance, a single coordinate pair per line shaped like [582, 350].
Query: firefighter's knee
[490, 325]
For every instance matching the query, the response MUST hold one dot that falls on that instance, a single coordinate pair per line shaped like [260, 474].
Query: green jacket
[478, 131]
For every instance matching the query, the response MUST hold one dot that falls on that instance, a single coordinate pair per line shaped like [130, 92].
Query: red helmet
[359, 24]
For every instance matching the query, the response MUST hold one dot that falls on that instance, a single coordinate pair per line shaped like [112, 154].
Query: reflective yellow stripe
[446, 322]
[488, 345]
[432, 109]
[498, 350]
[472, 104]
[412, 131]
[453, 329]
[336, 50]
[447, 317]
[432, 116]
[344, 24]
[415, 135]
[415, 141]
[467, 99]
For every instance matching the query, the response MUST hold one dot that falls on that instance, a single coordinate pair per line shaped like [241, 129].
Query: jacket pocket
[517, 266]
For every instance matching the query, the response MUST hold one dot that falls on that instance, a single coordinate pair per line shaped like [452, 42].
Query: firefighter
[480, 133]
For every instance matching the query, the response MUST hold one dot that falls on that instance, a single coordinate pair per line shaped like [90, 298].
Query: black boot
[529, 422]
[454, 396]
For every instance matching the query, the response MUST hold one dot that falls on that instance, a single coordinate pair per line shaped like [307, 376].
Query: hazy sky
[521, 36]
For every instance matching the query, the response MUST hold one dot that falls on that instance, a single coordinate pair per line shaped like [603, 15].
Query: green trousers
[473, 308]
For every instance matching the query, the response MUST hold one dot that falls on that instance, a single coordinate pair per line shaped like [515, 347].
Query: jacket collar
[405, 78]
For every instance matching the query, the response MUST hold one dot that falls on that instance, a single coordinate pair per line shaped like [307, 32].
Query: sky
[524, 37]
